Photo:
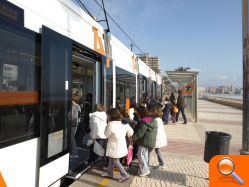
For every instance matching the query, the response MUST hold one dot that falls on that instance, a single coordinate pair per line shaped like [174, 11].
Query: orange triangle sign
[2, 182]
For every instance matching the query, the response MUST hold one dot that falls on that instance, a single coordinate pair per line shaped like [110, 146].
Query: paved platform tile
[178, 172]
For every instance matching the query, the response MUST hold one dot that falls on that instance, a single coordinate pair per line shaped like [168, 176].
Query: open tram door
[86, 85]
[67, 68]
[55, 106]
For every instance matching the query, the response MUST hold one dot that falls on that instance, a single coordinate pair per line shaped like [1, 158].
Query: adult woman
[181, 105]
[75, 121]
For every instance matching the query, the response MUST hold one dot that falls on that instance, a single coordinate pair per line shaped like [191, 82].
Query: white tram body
[32, 159]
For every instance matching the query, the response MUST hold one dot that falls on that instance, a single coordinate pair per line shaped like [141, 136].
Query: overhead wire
[84, 7]
[93, 8]
[133, 43]
[98, 15]
[122, 30]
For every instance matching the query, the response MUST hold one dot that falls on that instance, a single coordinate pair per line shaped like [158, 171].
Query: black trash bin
[216, 143]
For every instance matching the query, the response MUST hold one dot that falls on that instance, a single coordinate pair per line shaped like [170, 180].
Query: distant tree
[180, 68]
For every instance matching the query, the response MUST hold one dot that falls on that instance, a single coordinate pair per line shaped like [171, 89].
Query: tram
[50, 49]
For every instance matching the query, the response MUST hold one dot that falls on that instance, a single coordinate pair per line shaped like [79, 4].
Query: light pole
[245, 24]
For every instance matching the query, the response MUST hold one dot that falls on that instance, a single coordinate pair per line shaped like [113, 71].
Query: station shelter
[187, 81]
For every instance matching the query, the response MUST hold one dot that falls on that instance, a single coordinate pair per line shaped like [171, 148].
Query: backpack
[175, 109]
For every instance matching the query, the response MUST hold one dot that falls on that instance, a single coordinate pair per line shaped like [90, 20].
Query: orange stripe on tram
[98, 45]
[18, 97]
[2, 182]
[108, 61]
[127, 103]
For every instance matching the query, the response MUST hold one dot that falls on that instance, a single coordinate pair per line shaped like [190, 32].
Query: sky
[205, 35]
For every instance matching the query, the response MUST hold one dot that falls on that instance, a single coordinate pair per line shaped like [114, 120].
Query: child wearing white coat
[161, 139]
[116, 145]
[97, 123]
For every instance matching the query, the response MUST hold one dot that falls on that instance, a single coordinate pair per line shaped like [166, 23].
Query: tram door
[55, 106]
[86, 86]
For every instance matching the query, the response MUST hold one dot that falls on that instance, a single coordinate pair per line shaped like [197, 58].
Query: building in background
[232, 90]
[152, 61]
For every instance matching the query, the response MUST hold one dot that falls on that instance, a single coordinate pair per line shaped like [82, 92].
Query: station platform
[183, 154]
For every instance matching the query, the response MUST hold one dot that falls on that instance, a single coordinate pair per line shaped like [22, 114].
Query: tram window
[108, 85]
[149, 88]
[125, 86]
[19, 86]
[142, 87]
[159, 91]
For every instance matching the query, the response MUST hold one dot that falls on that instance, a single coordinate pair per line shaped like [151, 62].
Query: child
[125, 116]
[161, 139]
[116, 146]
[145, 137]
[97, 123]
[126, 121]
[166, 110]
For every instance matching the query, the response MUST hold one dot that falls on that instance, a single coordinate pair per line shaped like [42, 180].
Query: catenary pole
[245, 29]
